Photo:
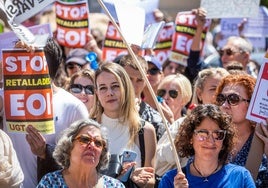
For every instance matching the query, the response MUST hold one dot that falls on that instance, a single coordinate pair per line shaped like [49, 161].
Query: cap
[153, 60]
[77, 55]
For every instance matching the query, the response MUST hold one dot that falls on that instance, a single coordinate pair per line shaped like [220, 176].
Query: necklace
[205, 177]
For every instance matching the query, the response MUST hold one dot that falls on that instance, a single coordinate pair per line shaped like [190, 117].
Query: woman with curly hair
[207, 136]
[81, 151]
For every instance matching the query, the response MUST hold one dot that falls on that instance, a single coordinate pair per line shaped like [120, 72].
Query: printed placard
[182, 38]
[258, 107]
[22, 10]
[72, 20]
[164, 42]
[113, 45]
[27, 91]
[231, 8]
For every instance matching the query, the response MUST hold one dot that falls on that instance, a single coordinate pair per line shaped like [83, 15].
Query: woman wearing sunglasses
[81, 86]
[81, 151]
[114, 107]
[207, 136]
[233, 96]
[176, 92]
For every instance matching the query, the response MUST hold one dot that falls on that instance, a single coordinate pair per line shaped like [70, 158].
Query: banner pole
[174, 151]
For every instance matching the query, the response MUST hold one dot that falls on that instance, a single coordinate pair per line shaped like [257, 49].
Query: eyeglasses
[78, 88]
[204, 134]
[232, 99]
[85, 140]
[228, 52]
[73, 65]
[172, 93]
[153, 71]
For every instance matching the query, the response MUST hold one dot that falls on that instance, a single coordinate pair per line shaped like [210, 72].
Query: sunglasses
[78, 88]
[172, 93]
[72, 66]
[85, 140]
[153, 71]
[232, 99]
[228, 52]
[204, 134]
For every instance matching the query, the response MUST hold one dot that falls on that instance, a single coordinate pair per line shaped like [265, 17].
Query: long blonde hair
[128, 112]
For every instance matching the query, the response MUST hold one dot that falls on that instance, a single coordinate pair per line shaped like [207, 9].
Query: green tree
[264, 3]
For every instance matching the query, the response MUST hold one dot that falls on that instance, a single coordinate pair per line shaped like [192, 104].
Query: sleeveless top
[118, 137]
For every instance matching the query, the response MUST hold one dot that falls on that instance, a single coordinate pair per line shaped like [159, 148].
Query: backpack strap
[141, 141]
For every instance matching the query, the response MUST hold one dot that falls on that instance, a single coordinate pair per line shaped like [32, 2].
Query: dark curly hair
[193, 120]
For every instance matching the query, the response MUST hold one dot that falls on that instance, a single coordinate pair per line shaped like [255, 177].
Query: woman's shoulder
[52, 178]
[233, 168]
[111, 182]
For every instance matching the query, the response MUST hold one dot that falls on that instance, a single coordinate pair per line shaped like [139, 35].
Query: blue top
[55, 180]
[228, 176]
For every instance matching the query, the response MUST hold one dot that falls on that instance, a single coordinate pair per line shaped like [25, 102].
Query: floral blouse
[56, 180]
[241, 158]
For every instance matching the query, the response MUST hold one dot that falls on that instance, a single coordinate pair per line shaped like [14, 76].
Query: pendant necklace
[205, 177]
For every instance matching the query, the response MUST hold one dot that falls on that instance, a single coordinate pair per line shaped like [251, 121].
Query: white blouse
[118, 137]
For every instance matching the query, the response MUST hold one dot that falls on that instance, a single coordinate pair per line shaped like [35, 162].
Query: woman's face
[206, 94]
[108, 92]
[175, 104]
[154, 79]
[87, 99]
[86, 150]
[172, 68]
[238, 111]
[207, 147]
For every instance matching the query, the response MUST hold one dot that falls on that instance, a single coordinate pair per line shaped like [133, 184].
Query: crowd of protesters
[101, 112]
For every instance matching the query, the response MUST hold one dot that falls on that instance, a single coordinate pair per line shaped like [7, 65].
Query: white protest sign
[231, 8]
[257, 27]
[148, 5]
[258, 107]
[132, 21]
[22, 10]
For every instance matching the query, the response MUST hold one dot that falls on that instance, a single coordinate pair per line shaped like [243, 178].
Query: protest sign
[231, 8]
[182, 38]
[27, 91]
[258, 107]
[8, 39]
[113, 45]
[164, 42]
[149, 6]
[11, 9]
[132, 22]
[72, 20]
[151, 34]
[22, 10]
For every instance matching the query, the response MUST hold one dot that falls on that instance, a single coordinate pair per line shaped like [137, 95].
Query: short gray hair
[65, 144]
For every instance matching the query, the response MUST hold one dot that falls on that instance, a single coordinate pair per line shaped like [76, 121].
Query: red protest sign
[113, 45]
[182, 39]
[27, 91]
[164, 42]
[72, 23]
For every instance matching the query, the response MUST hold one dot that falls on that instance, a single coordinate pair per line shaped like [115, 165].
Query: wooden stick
[147, 83]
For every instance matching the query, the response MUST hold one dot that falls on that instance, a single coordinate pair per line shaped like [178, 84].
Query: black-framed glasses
[204, 134]
[232, 99]
[228, 52]
[85, 140]
[78, 88]
[153, 71]
[172, 93]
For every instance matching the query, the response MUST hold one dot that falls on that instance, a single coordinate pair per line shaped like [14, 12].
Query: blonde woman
[114, 108]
